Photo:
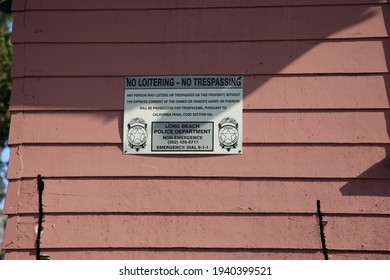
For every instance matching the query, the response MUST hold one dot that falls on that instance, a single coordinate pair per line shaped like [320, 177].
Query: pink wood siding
[200, 25]
[206, 195]
[316, 127]
[305, 57]
[267, 161]
[276, 127]
[261, 92]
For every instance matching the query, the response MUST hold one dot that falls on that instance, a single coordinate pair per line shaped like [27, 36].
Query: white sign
[183, 114]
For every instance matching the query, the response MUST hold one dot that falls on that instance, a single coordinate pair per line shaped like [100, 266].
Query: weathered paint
[162, 231]
[275, 127]
[202, 231]
[260, 92]
[358, 233]
[284, 161]
[196, 195]
[360, 255]
[196, 254]
[175, 254]
[202, 25]
[270, 57]
[316, 127]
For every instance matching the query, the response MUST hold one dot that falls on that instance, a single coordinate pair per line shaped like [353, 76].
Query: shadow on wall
[357, 187]
[381, 169]
[269, 56]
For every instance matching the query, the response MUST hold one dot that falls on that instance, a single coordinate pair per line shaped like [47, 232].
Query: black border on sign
[179, 151]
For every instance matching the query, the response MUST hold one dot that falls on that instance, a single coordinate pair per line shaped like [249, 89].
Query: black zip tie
[322, 234]
[40, 186]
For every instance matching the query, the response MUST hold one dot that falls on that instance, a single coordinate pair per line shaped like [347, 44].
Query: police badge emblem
[228, 133]
[137, 133]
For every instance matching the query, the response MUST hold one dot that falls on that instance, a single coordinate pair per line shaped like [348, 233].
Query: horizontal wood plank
[260, 92]
[167, 254]
[360, 255]
[303, 23]
[276, 57]
[358, 233]
[259, 127]
[264, 161]
[107, 195]
[194, 231]
[194, 254]
[172, 4]
[117, 254]
[124, 231]
[316, 127]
